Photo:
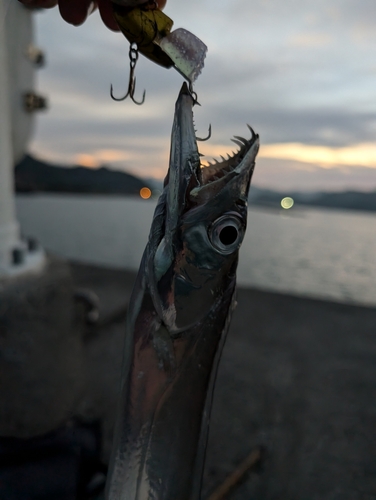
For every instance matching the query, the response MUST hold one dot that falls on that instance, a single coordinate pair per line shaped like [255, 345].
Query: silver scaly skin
[179, 315]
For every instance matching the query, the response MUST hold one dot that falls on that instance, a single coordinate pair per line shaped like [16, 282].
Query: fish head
[199, 225]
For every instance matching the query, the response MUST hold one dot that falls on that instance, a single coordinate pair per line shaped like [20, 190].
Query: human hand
[76, 11]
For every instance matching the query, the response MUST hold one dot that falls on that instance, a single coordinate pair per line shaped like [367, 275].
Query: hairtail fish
[179, 315]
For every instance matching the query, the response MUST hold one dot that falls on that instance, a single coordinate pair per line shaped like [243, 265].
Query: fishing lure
[148, 30]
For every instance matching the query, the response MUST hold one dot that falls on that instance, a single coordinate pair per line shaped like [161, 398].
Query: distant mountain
[33, 175]
[351, 200]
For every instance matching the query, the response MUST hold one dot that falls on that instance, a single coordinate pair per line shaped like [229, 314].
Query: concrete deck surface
[297, 376]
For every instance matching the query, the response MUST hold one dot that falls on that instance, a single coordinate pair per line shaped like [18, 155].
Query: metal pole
[9, 229]
[18, 60]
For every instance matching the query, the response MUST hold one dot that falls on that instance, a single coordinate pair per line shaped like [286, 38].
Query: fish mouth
[216, 170]
[188, 181]
[230, 177]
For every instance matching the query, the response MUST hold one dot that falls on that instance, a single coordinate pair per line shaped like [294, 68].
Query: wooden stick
[235, 477]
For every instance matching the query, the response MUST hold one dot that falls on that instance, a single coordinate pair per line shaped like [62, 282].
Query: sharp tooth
[229, 157]
[223, 158]
[238, 143]
[252, 132]
[200, 154]
[241, 139]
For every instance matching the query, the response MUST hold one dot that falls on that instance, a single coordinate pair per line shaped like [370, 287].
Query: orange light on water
[145, 193]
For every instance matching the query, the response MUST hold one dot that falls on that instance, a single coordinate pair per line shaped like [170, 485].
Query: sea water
[318, 253]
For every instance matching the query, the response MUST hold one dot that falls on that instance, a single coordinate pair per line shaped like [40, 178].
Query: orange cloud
[111, 155]
[363, 154]
[100, 156]
[86, 160]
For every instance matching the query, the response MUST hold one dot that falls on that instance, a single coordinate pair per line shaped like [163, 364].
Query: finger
[75, 11]
[106, 12]
[161, 4]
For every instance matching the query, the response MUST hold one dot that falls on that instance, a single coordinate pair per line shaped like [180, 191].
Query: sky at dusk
[301, 73]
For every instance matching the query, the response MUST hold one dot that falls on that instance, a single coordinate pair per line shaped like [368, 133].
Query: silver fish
[179, 315]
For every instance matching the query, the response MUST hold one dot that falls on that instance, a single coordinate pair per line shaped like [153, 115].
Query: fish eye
[226, 234]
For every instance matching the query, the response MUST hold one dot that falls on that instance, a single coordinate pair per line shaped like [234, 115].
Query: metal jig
[205, 138]
[133, 57]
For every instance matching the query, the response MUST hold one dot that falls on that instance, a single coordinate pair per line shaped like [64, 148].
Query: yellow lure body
[144, 27]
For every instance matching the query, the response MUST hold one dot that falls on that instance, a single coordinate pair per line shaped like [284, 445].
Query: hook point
[208, 136]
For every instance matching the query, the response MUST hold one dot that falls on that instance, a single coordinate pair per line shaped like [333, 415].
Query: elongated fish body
[179, 316]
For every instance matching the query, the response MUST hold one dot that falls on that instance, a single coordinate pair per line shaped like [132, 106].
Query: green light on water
[287, 203]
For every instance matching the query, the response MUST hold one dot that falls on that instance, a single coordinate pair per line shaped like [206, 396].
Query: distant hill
[33, 175]
[351, 200]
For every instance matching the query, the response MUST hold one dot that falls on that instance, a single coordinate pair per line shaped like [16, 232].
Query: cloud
[318, 126]
[290, 175]
[359, 154]
[305, 40]
[298, 72]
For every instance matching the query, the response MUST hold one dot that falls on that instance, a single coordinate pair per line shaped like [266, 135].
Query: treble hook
[133, 56]
[205, 138]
